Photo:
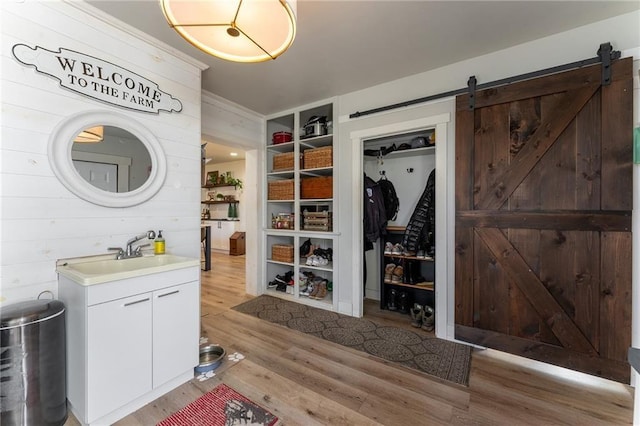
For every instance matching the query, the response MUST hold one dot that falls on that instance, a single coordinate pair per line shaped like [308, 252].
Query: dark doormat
[441, 358]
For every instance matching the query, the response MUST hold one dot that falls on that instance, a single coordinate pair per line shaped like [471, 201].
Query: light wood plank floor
[308, 381]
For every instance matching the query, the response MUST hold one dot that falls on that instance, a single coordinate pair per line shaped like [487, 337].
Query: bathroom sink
[100, 269]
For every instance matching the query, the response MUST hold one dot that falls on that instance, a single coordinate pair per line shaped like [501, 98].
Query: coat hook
[382, 172]
[410, 170]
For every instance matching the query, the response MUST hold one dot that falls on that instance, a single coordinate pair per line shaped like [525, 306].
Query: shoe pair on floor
[423, 317]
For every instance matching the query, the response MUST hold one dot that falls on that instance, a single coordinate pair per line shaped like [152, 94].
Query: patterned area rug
[441, 358]
[222, 406]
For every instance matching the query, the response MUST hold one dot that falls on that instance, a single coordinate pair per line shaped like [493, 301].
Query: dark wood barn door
[543, 219]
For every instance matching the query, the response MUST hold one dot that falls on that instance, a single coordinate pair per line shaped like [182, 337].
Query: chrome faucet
[130, 252]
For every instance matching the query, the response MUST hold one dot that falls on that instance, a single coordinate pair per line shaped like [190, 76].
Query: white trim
[212, 98]
[443, 252]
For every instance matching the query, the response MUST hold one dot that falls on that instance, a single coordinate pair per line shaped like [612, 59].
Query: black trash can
[33, 363]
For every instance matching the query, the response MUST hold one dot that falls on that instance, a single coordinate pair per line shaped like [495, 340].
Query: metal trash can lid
[30, 311]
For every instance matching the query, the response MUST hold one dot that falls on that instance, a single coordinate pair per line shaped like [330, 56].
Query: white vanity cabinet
[129, 341]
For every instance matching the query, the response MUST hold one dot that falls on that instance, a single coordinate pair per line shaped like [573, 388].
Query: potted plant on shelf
[235, 182]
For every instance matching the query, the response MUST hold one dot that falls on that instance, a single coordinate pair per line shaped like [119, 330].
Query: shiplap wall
[41, 221]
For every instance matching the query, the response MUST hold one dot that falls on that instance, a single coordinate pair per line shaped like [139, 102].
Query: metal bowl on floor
[211, 357]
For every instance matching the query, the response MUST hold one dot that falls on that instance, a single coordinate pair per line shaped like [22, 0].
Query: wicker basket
[280, 190]
[316, 187]
[319, 157]
[283, 162]
[282, 253]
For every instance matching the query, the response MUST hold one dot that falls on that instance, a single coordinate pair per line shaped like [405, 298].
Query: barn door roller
[606, 55]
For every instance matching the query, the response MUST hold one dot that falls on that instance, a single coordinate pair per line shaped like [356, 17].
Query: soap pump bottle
[159, 243]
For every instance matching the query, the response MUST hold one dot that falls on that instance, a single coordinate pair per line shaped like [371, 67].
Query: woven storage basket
[283, 162]
[282, 253]
[316, 187]
[280, 190]
[319, 157]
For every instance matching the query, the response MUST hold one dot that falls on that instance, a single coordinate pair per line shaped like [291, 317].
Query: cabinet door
[176, 331]
[228, 228]
[220, 234]
[119, 353]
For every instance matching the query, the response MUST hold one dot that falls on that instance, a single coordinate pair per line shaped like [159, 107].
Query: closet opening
[408, 169]
[399, 225]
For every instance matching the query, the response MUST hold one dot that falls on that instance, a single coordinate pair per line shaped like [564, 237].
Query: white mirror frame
[61, 143]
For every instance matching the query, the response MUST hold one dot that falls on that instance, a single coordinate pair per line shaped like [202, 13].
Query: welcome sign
[98, 79]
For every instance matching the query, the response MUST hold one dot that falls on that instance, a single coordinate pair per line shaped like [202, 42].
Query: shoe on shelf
[305, 248]
[388, 248]
[391, 303]
[428, 318]
[420, 254]
[403, 302]
[416, 315]
[396, 276]
[308, 289]
[397, 250]
[316, 288]
[322, 291]
[388, 272]
[408, 253]
[272, 284]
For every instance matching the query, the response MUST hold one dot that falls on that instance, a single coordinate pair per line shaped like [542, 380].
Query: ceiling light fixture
[91, 135]
[235, 30]
[233, 154]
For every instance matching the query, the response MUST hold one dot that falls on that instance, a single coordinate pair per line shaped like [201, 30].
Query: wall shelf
[219, 202]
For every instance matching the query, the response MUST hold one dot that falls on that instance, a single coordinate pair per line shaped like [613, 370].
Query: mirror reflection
[111, 158]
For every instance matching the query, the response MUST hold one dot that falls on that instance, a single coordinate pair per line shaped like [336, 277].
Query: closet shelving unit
[284, 198]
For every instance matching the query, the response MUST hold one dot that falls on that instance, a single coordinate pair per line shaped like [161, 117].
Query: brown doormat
[221, 407]
[441, 358]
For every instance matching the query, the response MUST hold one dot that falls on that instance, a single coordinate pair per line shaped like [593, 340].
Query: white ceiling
[344, 46]
[217, 153]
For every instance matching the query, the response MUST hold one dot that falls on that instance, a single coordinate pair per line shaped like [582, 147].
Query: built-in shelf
[427, 285]
[219, 202]
[288, 161]
[222, 185]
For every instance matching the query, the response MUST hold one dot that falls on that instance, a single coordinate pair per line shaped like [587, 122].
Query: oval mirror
[107, 159]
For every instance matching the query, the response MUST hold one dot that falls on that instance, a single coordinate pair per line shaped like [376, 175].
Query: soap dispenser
[159, 243]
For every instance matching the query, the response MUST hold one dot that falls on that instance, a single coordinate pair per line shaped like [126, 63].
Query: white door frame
[444, 295]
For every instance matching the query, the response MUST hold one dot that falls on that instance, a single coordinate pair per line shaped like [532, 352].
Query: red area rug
[222, 406]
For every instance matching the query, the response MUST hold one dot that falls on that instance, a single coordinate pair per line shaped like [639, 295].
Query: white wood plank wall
[41, 221]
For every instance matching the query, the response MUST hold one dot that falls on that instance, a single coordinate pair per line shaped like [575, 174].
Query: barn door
[543, 219]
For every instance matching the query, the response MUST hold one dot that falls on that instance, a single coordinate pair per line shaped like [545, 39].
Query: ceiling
[344, 46]
[217, 153]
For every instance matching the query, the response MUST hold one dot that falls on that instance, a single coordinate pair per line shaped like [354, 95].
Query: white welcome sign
[98, 79]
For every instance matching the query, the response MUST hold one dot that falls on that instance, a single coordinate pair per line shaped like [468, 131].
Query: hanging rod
[605, 55]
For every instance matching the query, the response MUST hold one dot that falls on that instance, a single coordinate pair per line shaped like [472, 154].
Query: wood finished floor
[308, 381]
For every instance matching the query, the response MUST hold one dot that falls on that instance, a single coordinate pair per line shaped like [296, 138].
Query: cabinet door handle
[136, 302]
[169, 294]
